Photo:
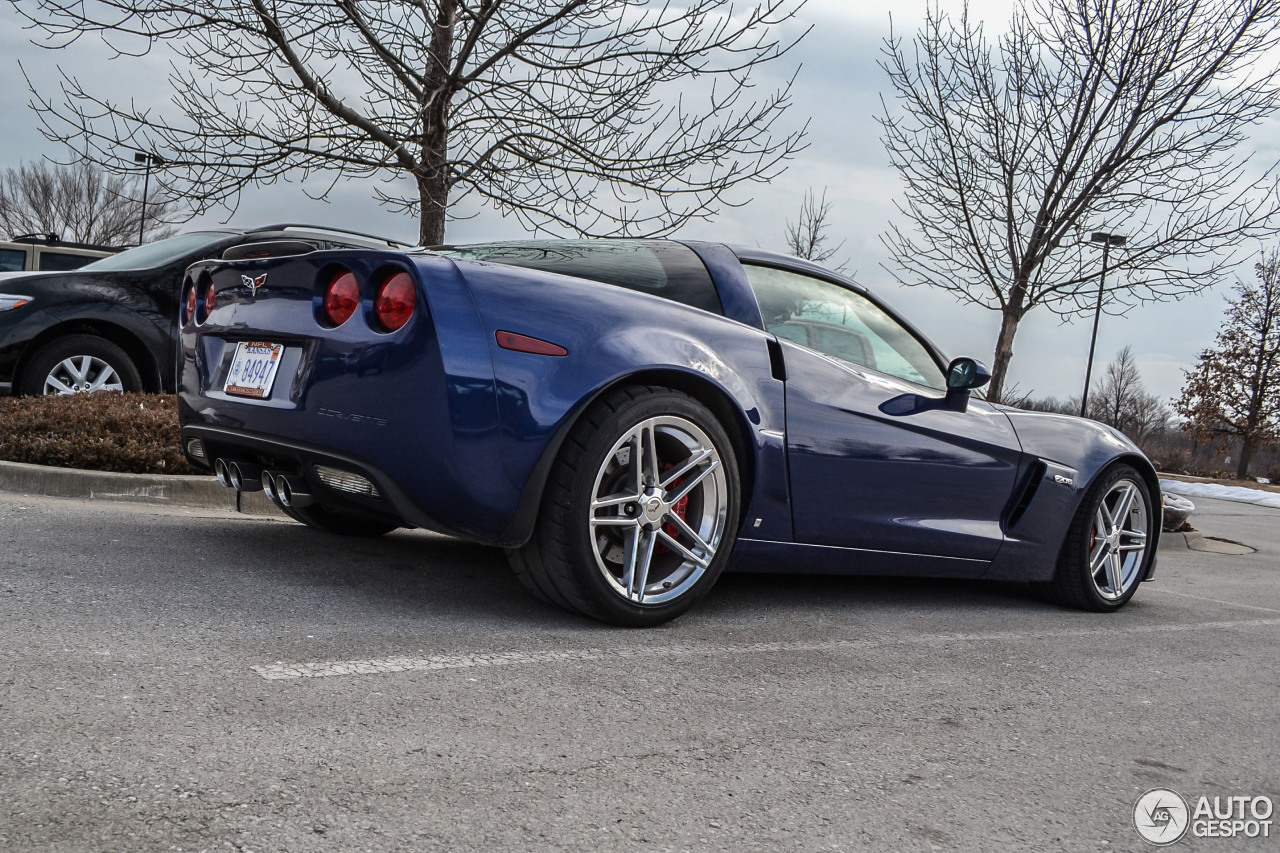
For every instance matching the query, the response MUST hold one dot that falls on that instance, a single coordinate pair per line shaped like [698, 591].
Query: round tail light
[191, 303]
[210, 300]
[341, 298]
[394, 304]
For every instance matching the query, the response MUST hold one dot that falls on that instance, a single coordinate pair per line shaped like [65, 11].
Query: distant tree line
[1119, 399]
[80, 203]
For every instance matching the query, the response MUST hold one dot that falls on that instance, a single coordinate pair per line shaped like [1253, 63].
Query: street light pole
[148, 159]
[1107, 241]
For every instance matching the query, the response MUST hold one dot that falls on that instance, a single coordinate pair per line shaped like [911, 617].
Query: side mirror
[964, 375]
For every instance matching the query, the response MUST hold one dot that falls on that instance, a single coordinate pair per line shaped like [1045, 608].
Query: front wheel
[640, 512]
[79, 364]
[1107, 551]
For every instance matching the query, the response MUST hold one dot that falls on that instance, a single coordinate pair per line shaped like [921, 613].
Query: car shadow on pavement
[427, 574]
[817, 592]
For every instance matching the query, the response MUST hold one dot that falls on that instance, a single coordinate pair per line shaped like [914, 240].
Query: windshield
[159, 253]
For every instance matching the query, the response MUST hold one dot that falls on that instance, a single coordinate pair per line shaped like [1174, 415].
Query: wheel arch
[1145, 470]
[706, 392]
[127, 340]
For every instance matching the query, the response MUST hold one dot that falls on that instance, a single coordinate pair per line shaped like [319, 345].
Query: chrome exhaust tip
[245, 476]
[293, 491]
[221, 472]
[269, 486]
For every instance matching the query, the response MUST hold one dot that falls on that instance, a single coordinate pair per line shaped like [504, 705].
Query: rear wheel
[640, 511]
[340, 523]
[1106, 552]
[79, 364]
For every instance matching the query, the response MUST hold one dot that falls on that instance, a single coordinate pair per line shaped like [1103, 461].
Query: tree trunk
[1009, 319]
[435, 202]
[433, 174]
[1246, 456]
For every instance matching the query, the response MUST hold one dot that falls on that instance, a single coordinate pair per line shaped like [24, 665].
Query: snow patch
[1239, 494]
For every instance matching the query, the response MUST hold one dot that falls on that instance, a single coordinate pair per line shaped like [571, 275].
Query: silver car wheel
[659, 510]
[1118, 540]
[79, 374]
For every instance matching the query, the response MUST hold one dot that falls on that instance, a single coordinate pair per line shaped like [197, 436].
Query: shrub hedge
[130, 433]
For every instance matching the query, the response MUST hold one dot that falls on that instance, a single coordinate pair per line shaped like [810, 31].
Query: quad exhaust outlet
[238, 475]
[286, 490]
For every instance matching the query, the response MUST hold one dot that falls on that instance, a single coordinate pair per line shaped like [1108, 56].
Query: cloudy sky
[838, 86]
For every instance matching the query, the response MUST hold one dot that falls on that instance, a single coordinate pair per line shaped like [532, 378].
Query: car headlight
[9, 301]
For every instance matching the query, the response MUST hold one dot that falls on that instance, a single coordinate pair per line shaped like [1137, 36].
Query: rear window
[670, 270]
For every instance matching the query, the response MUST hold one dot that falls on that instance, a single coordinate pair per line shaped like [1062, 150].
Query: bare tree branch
[1087, 115]
[807, 238]
[601, 117]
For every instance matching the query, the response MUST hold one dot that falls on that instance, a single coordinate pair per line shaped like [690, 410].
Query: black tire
[644, 562]
[96, 359]
[1075, 582]
[340, 523]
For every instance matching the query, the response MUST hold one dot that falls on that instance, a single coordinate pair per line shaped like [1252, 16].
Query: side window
[62, 261]
[12, 260]
[840, 323]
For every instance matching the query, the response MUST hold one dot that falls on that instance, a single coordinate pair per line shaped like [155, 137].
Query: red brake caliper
[680, 507]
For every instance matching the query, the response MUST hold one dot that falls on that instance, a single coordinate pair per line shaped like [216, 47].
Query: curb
[200, 492]
[1197, 541]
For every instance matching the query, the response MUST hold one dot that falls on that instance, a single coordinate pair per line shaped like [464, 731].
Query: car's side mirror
[964, 375]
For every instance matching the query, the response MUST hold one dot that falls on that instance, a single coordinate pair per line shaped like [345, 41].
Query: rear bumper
[301, 459]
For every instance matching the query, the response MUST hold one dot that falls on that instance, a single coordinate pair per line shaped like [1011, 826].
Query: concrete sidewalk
[197, 491]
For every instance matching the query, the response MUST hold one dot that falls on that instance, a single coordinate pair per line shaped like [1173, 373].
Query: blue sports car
[629, 418]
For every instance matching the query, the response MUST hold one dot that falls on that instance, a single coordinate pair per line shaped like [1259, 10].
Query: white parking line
[1215, 600]
[380, 666]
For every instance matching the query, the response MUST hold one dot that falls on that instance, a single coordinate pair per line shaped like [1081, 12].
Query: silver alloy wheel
[79, 374]
[1118, 540]
[659, 510]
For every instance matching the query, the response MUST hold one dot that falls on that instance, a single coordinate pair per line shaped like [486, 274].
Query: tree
[807, 238]
[1233, 393]
[1087, 115]
[79, 203]
[1121, 400]
[595, 117]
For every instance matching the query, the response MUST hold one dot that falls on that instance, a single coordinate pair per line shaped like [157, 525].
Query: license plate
[253, 369]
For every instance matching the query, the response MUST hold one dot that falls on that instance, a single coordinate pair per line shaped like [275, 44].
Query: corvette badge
[253, 283]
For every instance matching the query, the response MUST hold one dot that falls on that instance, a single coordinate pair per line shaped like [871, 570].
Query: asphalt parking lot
[197, 680]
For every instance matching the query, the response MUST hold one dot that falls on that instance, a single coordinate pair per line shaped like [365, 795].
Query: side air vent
[1030, 486]
[777, 364]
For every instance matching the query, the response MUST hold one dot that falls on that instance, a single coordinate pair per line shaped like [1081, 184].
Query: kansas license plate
[253, 369]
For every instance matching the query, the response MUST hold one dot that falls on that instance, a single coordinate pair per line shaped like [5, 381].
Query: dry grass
[130, 433]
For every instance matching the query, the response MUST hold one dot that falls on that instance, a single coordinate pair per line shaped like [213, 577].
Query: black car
[112, 325]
